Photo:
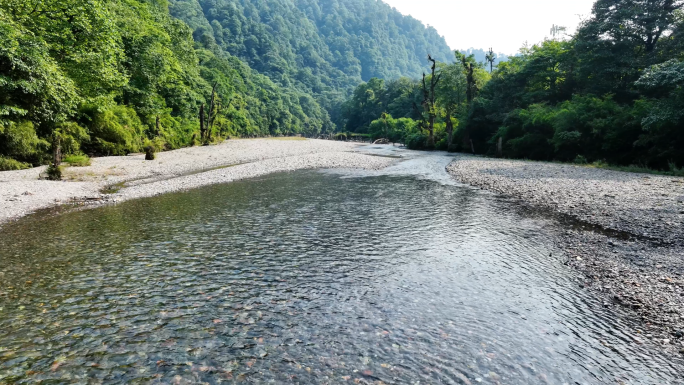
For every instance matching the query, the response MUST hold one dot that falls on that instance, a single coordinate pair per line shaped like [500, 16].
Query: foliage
[19, 140]
[77, 160]
[323, 48]
[8, 164]
[416, 141]
[374, 104]
[54, 172]
[612, 93]
[394, 130]
[104, 76]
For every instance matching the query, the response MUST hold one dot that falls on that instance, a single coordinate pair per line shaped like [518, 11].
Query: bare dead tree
[429, 101]
[471, 90]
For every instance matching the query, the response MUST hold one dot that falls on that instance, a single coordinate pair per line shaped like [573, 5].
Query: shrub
[152, 146]
[149, 152]
[114, 131]
[579, 159]
[7, 164]
[54, 172]
[78, 160]
[441, 145]
[416, 141]
[20, 141]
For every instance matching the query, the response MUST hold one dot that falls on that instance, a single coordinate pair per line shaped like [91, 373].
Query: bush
[579, 159]
[54, 173]
[78, 160]
[416, 141]
[71, 136]
[20, 141]
[114, 131]
[152, 146]
[7, 164]
[441, 145]
[149, 153]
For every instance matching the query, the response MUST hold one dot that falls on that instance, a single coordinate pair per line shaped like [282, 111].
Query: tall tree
[642, 21]
[490, 57]
[429, 98]
[451, 97]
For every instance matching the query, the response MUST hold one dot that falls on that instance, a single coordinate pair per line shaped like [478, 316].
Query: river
[399, 276]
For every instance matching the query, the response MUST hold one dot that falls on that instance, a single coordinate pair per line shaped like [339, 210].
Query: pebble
[625, 201]
[642, 270]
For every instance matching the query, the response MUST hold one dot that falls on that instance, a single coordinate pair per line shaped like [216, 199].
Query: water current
[401, 276]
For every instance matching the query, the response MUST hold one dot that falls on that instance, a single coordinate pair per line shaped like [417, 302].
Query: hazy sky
[501, 24]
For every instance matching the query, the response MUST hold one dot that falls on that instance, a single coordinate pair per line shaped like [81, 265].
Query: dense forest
[613, 93]
[110, 77]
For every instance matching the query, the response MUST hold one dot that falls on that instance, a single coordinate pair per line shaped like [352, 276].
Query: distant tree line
[613, 92]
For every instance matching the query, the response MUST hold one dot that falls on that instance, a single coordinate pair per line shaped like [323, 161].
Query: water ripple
[310, 278]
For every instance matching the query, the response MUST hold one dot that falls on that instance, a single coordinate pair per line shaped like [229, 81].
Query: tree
[490, 57]
[451, 97]
[429, 101]
[641, 21]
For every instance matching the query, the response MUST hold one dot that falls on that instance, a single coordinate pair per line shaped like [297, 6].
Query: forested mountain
[115, 76]
[322, 47]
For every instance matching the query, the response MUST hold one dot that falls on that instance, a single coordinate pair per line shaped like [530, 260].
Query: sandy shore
[624, 231]
[129, 177]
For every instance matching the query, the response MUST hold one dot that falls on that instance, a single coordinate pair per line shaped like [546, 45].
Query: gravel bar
[129, 177]
[624, 231]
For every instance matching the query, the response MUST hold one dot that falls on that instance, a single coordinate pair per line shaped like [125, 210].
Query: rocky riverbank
[117, 178]
[625, 232]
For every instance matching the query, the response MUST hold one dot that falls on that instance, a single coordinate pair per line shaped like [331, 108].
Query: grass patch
[7, 164]
[113, 188]
[78, 160]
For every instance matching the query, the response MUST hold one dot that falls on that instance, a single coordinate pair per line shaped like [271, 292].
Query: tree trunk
[158, 125]
[56, 152]
[431, 131]
[429, 102]
[499, 147]
[449, 130]
[212, 112]
[202, 129]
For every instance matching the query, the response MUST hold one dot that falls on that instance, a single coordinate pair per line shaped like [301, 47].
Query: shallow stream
[401, 276]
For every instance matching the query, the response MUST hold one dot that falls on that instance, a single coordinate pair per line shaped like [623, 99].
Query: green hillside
[322, 47]
[106, 77]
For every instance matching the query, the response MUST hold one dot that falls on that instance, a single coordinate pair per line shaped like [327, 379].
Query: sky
[501, 24]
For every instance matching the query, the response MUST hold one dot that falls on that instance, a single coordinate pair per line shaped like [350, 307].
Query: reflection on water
[305, 277]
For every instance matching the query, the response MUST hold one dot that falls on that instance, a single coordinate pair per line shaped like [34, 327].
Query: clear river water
[311, 277]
